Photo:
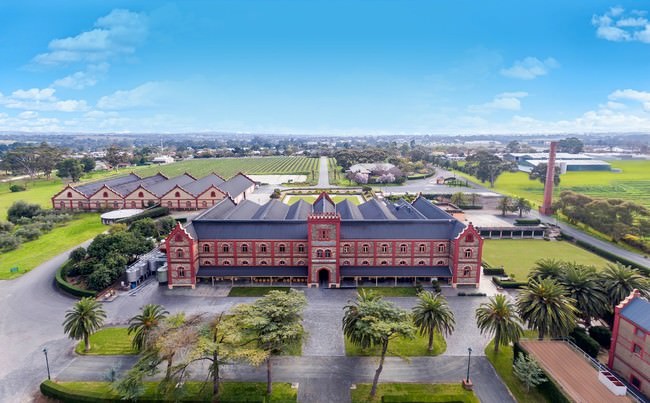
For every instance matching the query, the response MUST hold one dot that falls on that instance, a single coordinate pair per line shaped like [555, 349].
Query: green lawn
[632, 183]
[109, 341]
[33, 253]
[392, 291]
[197, 391]
[254, 291]
[403, 347]
[518, 256]
[291, 199]
[502, 363]
[415, 392]
[38, 191]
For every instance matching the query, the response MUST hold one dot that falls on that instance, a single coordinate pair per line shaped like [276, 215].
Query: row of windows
[282, 248]
[384, 248]
[141, 194]
[365, 248]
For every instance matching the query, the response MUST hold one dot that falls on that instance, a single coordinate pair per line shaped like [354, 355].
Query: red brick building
[325, 244]
[629, 354]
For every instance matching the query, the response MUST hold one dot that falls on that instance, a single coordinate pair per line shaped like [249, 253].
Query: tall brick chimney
[548, 185]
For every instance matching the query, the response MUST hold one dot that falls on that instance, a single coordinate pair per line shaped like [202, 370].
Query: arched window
[263, 263]
[421, 263]
[204, 203]
[206, 247]
[213, 194]
[365, 248]
[346, 262]
[177, 194]
[226, 263]
[282, 248]
[69, 194]
[207, 263]
[467, 271]
[170, 204]
[105, 194]
[328, 253]
[244, 248]
[301, 248]
[181, 272]
[384, 263]
[319, 253]
[422, 248]
[441, 263]
[384, 248]
[244, 262]
[282, 263]
[346, 248]
[469, 238]
[441, 248]
[225, 249]
[300, 263]
[403, 248]
[140, 194]
[179, 253]
[402, 262]
[62, 204]
[365, 263]
[263, 248]
[468, 253]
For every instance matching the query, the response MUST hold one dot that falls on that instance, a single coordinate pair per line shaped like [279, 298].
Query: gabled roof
[324, 204]
[298, 210]
[348, 210]
[91, 188]
[429, 210]
[127, 188]
[273, 210]
[237, 184]
[201, 185]
[373, 209]
[637, 310]
[162, 188]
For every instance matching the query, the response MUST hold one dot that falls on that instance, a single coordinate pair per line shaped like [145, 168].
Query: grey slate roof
[90, 188]
[219, 211]
[126, 188]
[324, 205]
[429, 210]
[298, 210]
[400, 229]
[273, 210]
[638, 311]
[161, 188]
[255, 271]
[246, 229]
[396, 271]
[201, 185]
[348, 210]
[236, 185]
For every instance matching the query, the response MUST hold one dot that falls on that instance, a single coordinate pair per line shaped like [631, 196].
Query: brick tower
[548, 185]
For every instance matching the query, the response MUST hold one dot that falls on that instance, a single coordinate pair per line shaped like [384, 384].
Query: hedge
[493, 271]
[602, 335]
[527, 221]
[472, 294]
[69, 288]
[470, 207]
[508, 283]
[607, 255]
[153, 212]
[586, 343]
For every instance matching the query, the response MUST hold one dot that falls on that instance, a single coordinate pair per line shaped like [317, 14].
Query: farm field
[290, 199]
[518, 256]
[633, 183]
[33, 253]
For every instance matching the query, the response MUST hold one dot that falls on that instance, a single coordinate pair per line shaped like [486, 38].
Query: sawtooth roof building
[182, 192]
[324, 243]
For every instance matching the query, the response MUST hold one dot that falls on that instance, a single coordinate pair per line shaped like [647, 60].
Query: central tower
[324, 229]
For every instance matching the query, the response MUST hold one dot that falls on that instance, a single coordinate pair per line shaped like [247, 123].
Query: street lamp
[469, 358]
[47, 363]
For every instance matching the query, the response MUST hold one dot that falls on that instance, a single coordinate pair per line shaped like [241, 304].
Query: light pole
[47, 363]
[469, 358]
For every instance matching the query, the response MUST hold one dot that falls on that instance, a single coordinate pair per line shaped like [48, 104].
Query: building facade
[324, 243]
[629, 354]
[183, 192]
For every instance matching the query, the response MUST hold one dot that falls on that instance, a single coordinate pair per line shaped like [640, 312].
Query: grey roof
[430, 210]
[161, 188]
[405, 211]
[348, 210]
[250, 229]
[236, 185]
[324, 204]
[201, 185]
[400, 229]
[220, 211]
[244, 211]
[273, 210]
[373, 209]
[126, 188]
[298, 210]
[638, 311]
[396, 271]
[90, 188]
[255, 271]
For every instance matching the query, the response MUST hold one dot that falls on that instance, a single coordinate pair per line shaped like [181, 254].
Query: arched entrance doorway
[323, 278]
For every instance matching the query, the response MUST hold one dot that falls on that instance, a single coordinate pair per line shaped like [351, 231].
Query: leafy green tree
[70, 168]
[544, 306]
[619, 280]
[20, 209]
[143, 324]
[78, 254]
[458, 199]
[84, 319]
[274, 322]
[370, 321]
[88, 164]
[505, 205]
[522, 205]
[539, 172]
[486, 166]
[145, 227]
[571, 145]
[582, 285]
[498, 317]
[432, 314]
[528, 371]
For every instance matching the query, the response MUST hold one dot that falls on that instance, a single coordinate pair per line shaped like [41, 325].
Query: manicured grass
[414, 392]
[39, 191]
[518, 256]
[291, 199]
[254, 291]
[109, 341]
[403, 347]
[33, 253]
[392, 291]
[502, 363]
[197, 391]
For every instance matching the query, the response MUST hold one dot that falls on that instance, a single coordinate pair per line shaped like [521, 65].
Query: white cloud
[28, 115]
[618, 26]
[83, 79]
[509, 101]
[530, 68]
[44, 99]
[141, 96]
[118, 33]
[632, 95]
[34, 94]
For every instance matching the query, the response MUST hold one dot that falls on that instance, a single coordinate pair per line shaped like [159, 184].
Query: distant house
[163, 159]
[629, 354]
[368, 168]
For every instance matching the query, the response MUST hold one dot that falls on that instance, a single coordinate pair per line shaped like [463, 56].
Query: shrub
[494, 271]
[101, 278]
[527, 221]
[78, 254]
[436, 285]
[17, 188]
[508, 283]
[44, 226]
[586, 343]
[22, 209]
[602, 335]
[471, 294]
[151, 213]
[28, 232]
[69, 288]
[6, 226]
[8, 242]
[145, 227]
[165, 225]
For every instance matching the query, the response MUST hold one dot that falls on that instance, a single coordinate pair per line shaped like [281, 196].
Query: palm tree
[619, 281]
[546, 268]
[431, 314]
[144, 323]
[85, 317]
[522, 205]
[581, 283]
[497, 316]
[543, 304]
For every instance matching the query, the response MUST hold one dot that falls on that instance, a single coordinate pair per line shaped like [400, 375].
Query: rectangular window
[636, 349]
[635, 382]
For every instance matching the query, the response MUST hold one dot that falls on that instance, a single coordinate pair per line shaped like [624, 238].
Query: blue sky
[325, 67]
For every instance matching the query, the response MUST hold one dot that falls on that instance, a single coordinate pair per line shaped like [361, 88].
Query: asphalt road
[323, 173]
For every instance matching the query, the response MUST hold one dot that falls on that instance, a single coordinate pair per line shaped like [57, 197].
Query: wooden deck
[571, 371]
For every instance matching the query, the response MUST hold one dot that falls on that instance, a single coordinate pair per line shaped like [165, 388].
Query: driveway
[323, 174]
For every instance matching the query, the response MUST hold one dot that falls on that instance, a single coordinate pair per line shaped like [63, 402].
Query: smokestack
[548, 185]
